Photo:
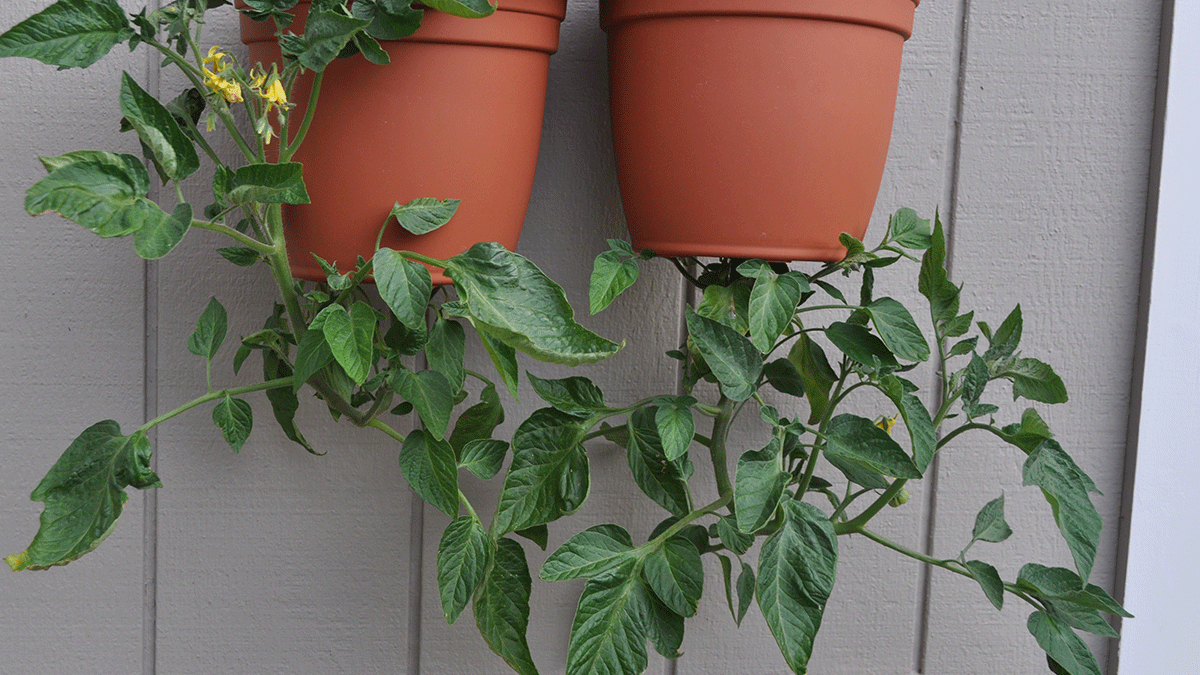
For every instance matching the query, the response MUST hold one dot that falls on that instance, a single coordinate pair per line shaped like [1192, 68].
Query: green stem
[214, 395]
[683, 522]
[716, 448]
[195, 76]
[244, 240]
[282, 271]
[412, 255]
[857, 522]
[967, 427]
[290, 149]
[379, 424]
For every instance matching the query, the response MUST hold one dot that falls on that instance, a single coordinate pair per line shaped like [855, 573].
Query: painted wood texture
[1028, 125]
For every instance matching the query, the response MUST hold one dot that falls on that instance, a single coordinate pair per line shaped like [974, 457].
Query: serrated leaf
[235, 419]
[610, 277]
[857, 439]
[84, 493]
[430, 393]
[159, 237]
[990, 524]
[159, 130]
[1066, 488]
[796, 572]
[268, 184]
[1036, 381]
[69, 33]
[1004, 342]
[462, 559]
[676, 426]
[572, 395]
[424, 215]
[351, 338]
[428, 464]
[502, 606]
[477, 422]
[758, 486]
[509, 299]
[405, 286]
[989, 580]
[1062, 644]
[596, 550]
[548, 477]
[210, 330]
[676, 575]
[898, 330]
[611, 626]
[735, 361]
[484, 457]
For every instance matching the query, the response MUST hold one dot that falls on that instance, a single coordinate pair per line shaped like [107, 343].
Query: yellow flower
[214, 59]
[886, 423]
[228, 89]
[273, 91]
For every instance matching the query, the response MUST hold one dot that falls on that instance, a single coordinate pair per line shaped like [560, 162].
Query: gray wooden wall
[1027, 122]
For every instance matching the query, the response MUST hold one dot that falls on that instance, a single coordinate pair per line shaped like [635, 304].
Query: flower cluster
[229, 89]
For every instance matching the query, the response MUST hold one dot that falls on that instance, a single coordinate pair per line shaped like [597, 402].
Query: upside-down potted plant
[780, 348]
[752, 128]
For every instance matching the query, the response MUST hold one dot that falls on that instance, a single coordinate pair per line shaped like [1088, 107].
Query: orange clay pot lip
[893, 15]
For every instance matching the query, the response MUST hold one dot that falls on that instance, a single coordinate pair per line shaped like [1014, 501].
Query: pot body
[456, 114]
[752, 128]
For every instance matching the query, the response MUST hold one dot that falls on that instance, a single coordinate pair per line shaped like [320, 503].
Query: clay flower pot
[752, 128]
[456, 115]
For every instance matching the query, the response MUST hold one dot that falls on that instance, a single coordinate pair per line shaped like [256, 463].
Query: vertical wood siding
[1026, 123]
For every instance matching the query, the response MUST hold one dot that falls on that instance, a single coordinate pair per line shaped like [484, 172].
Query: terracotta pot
[457, 114]
[752, 128]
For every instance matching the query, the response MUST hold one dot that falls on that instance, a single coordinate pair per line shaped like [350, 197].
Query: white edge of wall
[1162, 585]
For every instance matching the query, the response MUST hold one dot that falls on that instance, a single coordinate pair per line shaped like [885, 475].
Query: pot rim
[892, 15]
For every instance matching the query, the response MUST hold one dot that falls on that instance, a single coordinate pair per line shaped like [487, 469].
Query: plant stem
[716, 448]
[857, 522]
[214, 395]
[290, 148]
[248, 242]
[383, 426]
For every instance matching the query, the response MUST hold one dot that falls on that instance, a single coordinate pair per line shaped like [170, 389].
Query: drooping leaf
[210, 330]
[284, 402]
[424, 215]
[268, 184]
[462, 559]
[235, 419]
[735, 361]
[916, 419]
[1062, 644]
[477, 422]
[572, 395]
[538, 534]
[990, 524]
[858, 440]
[659, 479]
[596, 550]
[351, 338]
[484, 457]
[84, 493]
[446, 350]
[989, 580]
[758, 486]
[782, 374]
[101, 191]
[159, 130]
[676, 426]
[665, 628]
[428, 464]
[313, 353]
[611, 626]
[390, 20]
[818, 377]
[898, 330]
[745, 591]
[158, 237]
[502, 606]
[1036, 381]
[773, 301]
[610, 277]
[69, 33]
[731, 537]
[1066, 488]
[548, 477]
[860, 344]
[676, 575]
[509, 299]
[504, 358]
[1063, 584]
[405, 285]
[430, 394]
[796, 572]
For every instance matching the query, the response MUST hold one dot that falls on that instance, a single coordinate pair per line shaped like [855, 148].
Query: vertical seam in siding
[687, 299]
[416, 563]
[921, 637]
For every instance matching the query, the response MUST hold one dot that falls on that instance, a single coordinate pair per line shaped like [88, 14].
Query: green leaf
[1063, 584]
[990, 524]
[390, 20]
[462, 560]
[610, 277]
[745, 591]
[159, 130]
[325, 35]
[728, 305]
[424, 215]
[975, 379]
[1035, 380]
[235, 419]
[471, 9]
[268, 184]
[158, 237]
[1062, 644]
[548, 477]
[857, 439]
[659, 479]
[665, 628]
[69, 33]
[676, 575]
[782, 374]
[916, 419]
[796, 572]
[84, 493]
[502, 606]
[933, 283]
[676, 426]
[596, 550]
[313, 353]
[731, 537]
[1066, 488]
[510, 300]
[818, 377]
[504, 358]
[1030, 433]
[758, 486]
[284, 402]
[446, 350]
[989, 580]
[428, 464]
[538, 534]
[773, 301]
[860, 344]
[429, 392]
[210, 330]
[101, 191]
[1007, 337]
[351, 338]
[477, 422]
[572, 395]
[405, 286]
[898, 330]
[611, 626]
[909, 230]
[483, 457]
[735, 361]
